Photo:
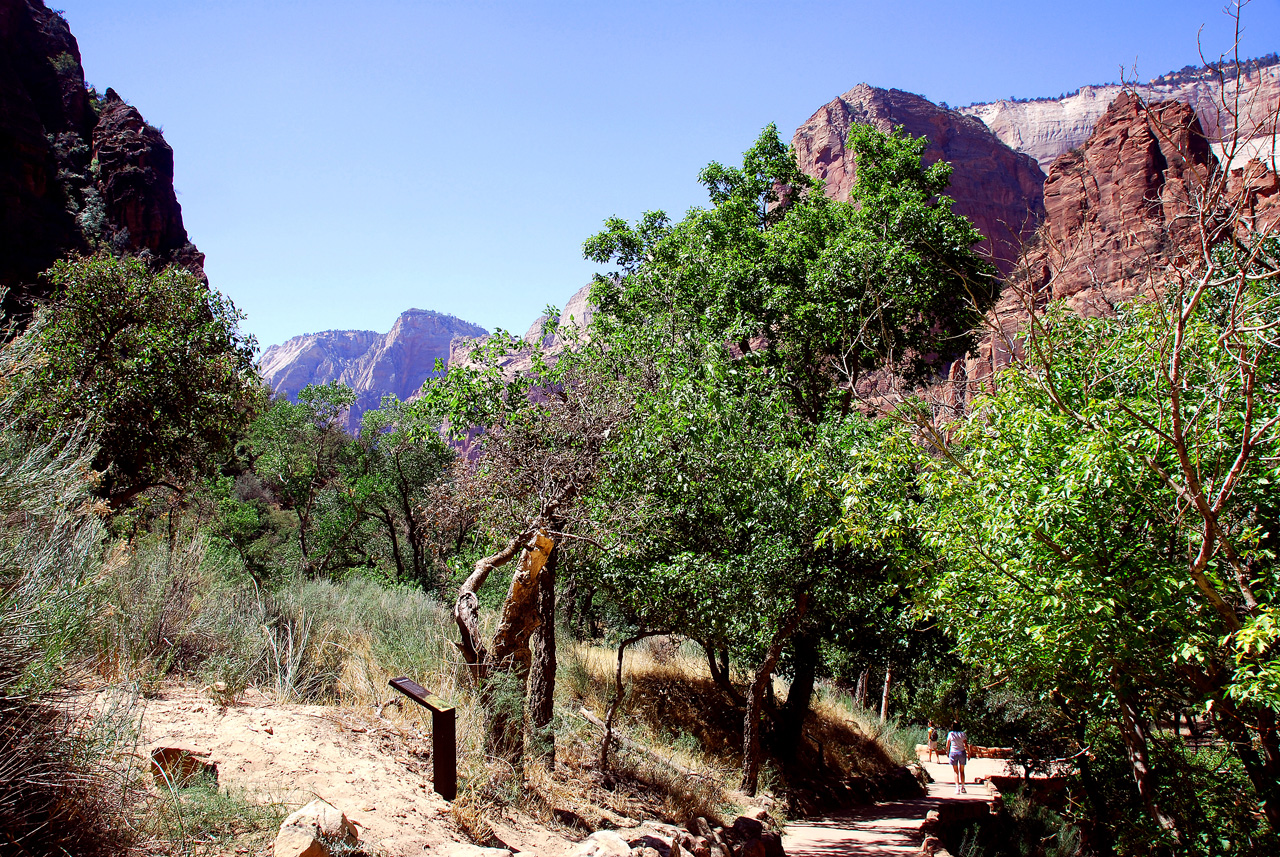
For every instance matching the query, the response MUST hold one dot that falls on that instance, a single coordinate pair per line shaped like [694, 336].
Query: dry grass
[672, 706]
[340, 643]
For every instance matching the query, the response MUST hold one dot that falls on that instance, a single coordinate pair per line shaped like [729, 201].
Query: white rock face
[1046, 128]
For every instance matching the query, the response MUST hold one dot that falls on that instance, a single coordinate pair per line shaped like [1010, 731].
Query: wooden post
[444, 736]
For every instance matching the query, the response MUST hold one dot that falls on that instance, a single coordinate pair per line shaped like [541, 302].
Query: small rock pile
[750, 835]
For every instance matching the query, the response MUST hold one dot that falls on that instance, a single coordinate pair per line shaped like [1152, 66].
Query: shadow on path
[889, 829]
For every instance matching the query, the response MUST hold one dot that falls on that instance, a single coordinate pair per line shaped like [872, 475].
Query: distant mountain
[373, 364]
[78, 170]
[1045, 128]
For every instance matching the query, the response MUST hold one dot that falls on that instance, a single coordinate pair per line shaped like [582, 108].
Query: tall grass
[55, 788]
[196, 615]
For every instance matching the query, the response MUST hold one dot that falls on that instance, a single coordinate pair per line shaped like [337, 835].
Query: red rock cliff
[1115, 218]
[54, 196]
[994, 186]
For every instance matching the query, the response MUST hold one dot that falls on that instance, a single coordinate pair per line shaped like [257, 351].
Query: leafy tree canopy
[151, 365]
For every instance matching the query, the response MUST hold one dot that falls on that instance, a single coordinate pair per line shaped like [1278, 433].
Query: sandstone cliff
[77, 170]
[1045, 128]
[995, 187]
[372, 364]
[1116, 218]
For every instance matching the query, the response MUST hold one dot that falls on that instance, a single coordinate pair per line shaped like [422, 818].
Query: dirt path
[891, 828]
[375, 771]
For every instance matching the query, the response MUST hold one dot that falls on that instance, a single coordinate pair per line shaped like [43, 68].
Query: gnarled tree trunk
[755, 696]
[542, 678]
[502, 672]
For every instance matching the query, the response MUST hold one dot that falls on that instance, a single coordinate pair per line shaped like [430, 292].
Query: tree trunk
[505, 698]
[721, 677]
[1134, 732]
[502, 674]
[1100, 833]
[860, 693]
[755, 697]
[390, 520]
[884, 697]
[800, 695]
[617, 699]
[542, 679]
[1264, 776]
[466, 610]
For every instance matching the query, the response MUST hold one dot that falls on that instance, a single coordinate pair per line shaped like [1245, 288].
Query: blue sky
[340, 162]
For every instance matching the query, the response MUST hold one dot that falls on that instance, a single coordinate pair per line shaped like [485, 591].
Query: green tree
[299, 450]
[151, 365]
[400, 464]
[538, 436]
[1107, 517]
[755, 321]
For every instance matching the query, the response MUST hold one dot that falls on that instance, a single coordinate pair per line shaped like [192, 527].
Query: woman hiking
[958, 753]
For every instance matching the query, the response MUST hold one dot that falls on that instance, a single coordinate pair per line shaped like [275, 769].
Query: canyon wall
[77, 170]
[1046, 128]
[1118, 217]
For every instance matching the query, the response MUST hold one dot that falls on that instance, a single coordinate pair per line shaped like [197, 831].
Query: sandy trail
[891, 828]
[373, 770]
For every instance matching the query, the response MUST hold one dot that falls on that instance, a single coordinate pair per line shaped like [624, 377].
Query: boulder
[603, 843]
[745, 827]
[315, 831]
[661, 846]
[701, 827]
[298, 842]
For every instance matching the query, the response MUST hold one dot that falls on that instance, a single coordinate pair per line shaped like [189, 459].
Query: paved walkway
[891, 828]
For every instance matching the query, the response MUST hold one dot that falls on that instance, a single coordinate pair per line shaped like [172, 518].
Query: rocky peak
[76, 171]
[995, 187]
[1114, 219]
[135, 182]
[1114, 205]
[370, 363]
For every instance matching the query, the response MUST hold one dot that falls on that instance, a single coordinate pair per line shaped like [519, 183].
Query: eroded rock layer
[1225, 101]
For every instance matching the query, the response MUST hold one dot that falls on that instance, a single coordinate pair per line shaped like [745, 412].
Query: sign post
[444, 736]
